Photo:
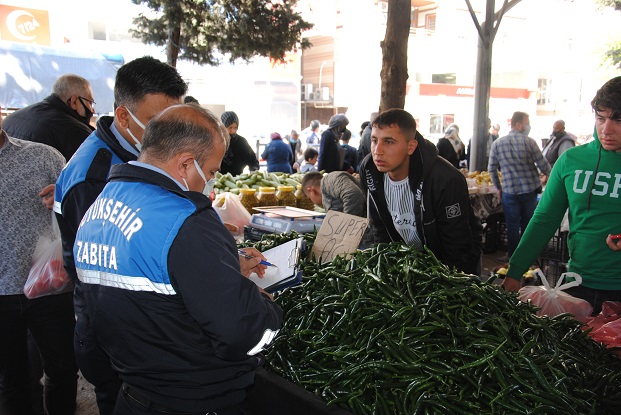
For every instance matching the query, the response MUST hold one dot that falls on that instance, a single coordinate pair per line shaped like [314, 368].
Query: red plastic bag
[606, 326]
[47, 275]
[554, 301]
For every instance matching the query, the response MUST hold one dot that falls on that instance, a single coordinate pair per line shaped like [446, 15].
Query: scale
[281, 219]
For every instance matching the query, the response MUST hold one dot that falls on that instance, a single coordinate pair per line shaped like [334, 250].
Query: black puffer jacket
[49, 122]
[445, 220]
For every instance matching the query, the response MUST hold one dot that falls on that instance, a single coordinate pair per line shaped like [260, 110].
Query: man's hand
[232, 228]
[510, 284]
[544, 180]
[248, 266]
[47, 196]
[499, 194]
[613, 243]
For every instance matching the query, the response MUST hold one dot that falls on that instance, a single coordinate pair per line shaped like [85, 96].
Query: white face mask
[526, 129]
[137, 121]
[208, 183]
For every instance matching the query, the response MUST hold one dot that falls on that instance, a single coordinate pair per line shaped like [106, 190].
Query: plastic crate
[494, 233]
[553, 258]
[556, 250]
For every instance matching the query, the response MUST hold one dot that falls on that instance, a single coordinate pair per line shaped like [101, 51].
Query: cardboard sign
[339, 233]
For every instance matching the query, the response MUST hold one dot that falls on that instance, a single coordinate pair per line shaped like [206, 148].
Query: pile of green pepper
[393, 331]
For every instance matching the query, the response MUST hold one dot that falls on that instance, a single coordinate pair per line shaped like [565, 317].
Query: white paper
[284, 257]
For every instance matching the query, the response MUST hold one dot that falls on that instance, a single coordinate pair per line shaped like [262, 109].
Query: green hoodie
[591, 189]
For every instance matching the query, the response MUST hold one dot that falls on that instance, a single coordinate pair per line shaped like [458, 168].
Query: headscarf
[338, 121]
[452, 134]
[228, 118]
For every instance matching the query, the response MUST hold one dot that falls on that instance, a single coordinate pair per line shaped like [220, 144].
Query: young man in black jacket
[416, 197]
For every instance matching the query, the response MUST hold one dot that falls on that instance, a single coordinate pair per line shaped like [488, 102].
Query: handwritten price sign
[339, 233]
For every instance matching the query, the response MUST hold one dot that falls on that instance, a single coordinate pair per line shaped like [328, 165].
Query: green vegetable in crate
[393, 331]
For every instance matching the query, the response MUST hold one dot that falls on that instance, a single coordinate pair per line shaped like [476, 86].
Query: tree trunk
[172, 46]
[394, 72]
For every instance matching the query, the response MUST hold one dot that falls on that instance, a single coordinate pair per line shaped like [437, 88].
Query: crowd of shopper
[151, 326]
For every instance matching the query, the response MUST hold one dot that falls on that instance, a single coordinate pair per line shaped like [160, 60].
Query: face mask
[88, 114]
[208, 183]
[526, 129]
[137, 121]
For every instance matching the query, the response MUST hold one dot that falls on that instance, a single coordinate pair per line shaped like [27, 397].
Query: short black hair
[608, 97]
[309, 153]
[346, 135]
[189, 99]
[312, 178]
[398, 117]
[143, 76]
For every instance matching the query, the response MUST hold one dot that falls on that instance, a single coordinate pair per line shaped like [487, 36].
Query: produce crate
[274, 395]
[494, 233]
[553, 258]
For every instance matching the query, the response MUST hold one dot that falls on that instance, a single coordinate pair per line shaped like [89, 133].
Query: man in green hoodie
[587, 180]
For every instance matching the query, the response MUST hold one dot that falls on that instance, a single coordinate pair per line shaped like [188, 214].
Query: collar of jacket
[132, 173]
[105, 134]
[55, 101]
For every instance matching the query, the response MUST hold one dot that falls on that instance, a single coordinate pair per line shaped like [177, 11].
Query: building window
[444, 78]
[439, 122]
[544, 91]
[430, 22]
[97, 30]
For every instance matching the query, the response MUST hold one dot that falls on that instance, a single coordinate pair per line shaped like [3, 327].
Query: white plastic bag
[47, 275]
[554, 301]
[231, 211]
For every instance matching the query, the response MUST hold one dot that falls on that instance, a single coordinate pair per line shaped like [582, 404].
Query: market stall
[390, 330]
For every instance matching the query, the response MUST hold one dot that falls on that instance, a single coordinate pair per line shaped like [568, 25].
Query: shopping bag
[231, 211]
[606, 326]
[554, 301]
[47, 275]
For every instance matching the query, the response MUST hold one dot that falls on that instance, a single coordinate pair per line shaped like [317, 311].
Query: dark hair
[189, 99]
[314, 124]
[309, 153]
[312, 178]
[181, 128]
[608, 97]
[518, 116]
[363, 126]
[346, 135]
[144, 76]
[398, 117]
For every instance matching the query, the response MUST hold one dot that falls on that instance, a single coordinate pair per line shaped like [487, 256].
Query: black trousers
[50, 320]
[94, 363]
[131, 402]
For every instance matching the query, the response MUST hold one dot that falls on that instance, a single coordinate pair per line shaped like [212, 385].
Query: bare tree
[482, 84]
[394, 74]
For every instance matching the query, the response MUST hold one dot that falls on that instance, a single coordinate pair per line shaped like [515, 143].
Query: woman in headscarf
[278, 155]
[451, 147]
[330, 158]
[239, 154]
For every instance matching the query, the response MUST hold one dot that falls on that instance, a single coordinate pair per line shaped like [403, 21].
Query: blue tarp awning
[27, 73]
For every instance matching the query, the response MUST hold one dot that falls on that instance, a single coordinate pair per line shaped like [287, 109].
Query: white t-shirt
[400, 201]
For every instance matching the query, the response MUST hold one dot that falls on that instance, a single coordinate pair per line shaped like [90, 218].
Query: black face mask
[88, 114]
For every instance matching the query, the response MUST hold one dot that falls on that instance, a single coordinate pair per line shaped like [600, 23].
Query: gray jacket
[342, 192]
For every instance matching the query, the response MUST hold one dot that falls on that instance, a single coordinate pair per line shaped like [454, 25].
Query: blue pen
[245, 255]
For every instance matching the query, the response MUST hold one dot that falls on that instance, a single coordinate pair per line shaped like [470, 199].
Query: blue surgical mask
[137, 121]
[208, 183]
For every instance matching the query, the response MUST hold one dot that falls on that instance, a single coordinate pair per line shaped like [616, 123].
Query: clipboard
[287, 258]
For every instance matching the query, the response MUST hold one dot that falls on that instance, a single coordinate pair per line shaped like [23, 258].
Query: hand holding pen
[251, 260]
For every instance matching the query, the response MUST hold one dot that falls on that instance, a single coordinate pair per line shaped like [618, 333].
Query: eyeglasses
[90, 101]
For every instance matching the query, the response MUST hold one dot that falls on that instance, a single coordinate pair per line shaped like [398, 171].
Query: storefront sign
[18, 24]
[468, 91]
